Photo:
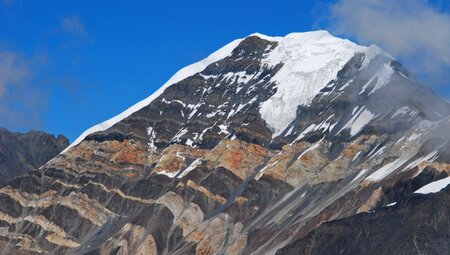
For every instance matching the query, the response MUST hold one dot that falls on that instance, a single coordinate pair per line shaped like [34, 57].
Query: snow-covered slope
[311, 60]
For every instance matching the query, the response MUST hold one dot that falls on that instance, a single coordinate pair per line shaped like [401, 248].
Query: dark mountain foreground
[20, 153]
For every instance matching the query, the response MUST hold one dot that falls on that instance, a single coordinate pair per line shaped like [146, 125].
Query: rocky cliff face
[20, 153]
[413, 225]
[264, 146]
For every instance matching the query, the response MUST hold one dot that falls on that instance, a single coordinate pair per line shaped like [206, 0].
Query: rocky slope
[414, 225]
[20, 153]
[257, 149]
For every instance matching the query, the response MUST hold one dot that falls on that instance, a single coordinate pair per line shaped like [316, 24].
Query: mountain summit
[309, 61]
[269, 145]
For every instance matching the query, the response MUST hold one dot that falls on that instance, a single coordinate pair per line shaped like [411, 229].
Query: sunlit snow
[434, 187]
[310, 61]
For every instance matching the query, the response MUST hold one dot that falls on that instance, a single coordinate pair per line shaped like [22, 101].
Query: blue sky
[71, 64]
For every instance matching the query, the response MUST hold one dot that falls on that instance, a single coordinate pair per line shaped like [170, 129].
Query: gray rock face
[209, 167]
[414, 225]
[20, 153]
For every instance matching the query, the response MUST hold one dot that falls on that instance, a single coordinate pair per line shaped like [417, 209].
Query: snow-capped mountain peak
[310, 60]
[249, 152]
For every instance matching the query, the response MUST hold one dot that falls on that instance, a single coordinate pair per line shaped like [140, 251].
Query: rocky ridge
[20, 153]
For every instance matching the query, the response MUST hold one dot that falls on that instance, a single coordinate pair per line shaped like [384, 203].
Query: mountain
[20, 153]
[306, 143]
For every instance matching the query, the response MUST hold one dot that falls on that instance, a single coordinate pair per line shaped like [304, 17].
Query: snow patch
[345, 85]
[356, 156]
[434, 187]
[223, 129]
[382, 78]
[289, 132]
[152, 135]
[304, 132]
[396, 164]
[180, 133]
[194, 109]
[313, 147]
[361, 173]
[261, 172]
[376, 152]
[191, 167]
[387, 169]
[428, 158]
[391, 204]
[189, 142]
[358, 121]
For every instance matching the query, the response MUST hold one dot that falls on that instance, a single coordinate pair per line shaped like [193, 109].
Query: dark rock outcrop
[22, 152]
[416, 225]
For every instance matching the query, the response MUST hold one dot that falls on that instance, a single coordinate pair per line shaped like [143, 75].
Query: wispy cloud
[411, 30]
[73, 25]
[22, 98]
[13, 70]
[73, 32]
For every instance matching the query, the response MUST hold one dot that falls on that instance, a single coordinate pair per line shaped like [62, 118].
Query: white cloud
[411, 30]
